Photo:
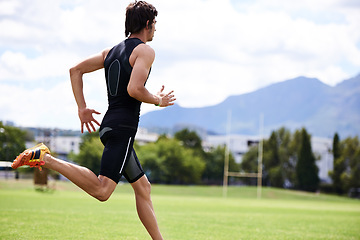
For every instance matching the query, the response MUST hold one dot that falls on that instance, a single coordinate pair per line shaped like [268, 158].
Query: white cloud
[17, 66]
[8, 7]
[38, 106]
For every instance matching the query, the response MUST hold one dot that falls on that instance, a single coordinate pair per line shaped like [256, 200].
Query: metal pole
[260, 157]
[227, 152]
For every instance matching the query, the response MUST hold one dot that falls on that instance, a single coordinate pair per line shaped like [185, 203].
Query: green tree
[350, 155]
[91, 150]
[306, 169]
[214, 169]
[214, 159]
[168, 161]
[12, 142]
[249, 164]
[190, 139]
[288, 150]
[278, 159]
[272, 164]
[339, 166]
[336, 146]
[152, 164]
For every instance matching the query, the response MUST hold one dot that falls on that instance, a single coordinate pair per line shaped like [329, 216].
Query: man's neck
[140, 36]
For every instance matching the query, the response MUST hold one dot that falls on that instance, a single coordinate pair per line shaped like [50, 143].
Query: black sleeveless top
[123, 110]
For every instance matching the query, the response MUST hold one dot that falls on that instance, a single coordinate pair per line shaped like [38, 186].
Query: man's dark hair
[137, 14]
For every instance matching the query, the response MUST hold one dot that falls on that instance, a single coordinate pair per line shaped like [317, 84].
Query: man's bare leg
[100, 187]
[145, 209]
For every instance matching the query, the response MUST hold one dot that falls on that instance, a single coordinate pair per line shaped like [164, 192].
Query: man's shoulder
[144, 50]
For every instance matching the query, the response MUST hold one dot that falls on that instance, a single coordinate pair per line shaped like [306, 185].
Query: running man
[127, 66]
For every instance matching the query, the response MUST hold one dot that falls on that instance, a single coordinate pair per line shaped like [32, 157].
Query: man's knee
[143, 188]
[103, 197]
[105, 189]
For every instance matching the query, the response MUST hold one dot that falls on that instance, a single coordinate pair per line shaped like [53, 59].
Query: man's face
[152, 30]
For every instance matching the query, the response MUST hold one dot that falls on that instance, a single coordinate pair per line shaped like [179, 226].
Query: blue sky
[206, 50]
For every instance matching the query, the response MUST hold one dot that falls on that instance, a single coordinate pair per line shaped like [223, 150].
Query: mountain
[295, 103]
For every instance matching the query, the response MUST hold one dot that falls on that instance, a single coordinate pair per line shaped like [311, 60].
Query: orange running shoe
[32, 157]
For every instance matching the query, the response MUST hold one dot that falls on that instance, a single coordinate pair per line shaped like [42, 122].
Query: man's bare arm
[90, 64]
[144, 57]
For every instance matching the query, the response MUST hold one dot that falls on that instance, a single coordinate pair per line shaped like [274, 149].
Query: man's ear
[148, 24]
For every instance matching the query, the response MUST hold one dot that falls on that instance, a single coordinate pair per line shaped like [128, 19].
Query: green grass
[183, 212]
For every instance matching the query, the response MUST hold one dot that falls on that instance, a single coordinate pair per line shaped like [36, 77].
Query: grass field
[183, 212]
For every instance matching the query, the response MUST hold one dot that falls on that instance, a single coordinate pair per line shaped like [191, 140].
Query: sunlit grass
[184, 212]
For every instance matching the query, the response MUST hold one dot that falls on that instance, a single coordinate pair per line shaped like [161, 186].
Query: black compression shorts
[119, 157]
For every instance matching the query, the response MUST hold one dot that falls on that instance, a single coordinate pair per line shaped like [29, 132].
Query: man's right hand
[87, 119]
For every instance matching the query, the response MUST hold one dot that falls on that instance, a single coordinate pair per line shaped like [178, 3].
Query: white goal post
[257, 175]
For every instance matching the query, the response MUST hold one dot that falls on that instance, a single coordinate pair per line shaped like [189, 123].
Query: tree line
[346, 172]
[288, 159]
[289, 162]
